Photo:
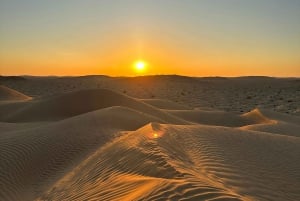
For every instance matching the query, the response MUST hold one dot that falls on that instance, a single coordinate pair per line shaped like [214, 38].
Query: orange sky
[174, 37]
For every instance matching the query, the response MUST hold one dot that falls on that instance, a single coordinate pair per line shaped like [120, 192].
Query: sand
[7, 94]
[95, 143]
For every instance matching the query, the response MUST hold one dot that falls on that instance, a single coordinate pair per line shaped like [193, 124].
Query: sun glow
[140, 66]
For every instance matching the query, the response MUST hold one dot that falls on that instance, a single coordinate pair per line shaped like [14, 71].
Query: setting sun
[140, 66]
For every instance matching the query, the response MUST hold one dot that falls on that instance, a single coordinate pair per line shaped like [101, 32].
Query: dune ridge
[8, 94]
[75, 103]
[98, 144]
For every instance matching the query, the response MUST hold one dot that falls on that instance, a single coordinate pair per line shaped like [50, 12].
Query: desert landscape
[149, 138]
[149, 100]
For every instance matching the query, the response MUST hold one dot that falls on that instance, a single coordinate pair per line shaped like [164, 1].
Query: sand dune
[165, 104]
[7, 94]
[221, 118]
[280, 116]
[278, 127]
[257, 117]
[98, 144]
[79, 102]
[56, 150]
[205, 163]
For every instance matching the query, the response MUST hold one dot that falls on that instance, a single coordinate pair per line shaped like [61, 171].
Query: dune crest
[257, 117]
[8, 94]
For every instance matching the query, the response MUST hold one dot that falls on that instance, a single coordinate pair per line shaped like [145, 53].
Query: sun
[140, 66]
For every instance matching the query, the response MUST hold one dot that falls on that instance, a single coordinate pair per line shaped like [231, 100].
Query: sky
[185, 37]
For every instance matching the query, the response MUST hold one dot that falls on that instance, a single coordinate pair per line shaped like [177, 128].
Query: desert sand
[149, 138]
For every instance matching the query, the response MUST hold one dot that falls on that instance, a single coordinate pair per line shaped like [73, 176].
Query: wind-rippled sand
[99, 144]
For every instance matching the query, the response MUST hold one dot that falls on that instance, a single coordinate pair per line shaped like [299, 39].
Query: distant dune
[79, 102]
[95, 143]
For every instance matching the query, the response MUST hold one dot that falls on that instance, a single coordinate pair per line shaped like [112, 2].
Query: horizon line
[152, 75]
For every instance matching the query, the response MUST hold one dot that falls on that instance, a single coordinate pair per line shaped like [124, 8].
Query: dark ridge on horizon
[24, 77]
[12, 78]
[255, 77]
[159, 77]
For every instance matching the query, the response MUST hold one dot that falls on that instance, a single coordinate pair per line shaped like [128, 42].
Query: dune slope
[34, 156]
[75, 103]
[186, 163]
[222, 118]
[165, 104]
[7, 94]
[101, 145]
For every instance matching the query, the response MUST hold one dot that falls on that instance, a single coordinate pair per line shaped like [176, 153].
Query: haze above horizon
[139, 37]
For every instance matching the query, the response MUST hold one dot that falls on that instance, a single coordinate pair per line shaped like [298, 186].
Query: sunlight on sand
[154, 135]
